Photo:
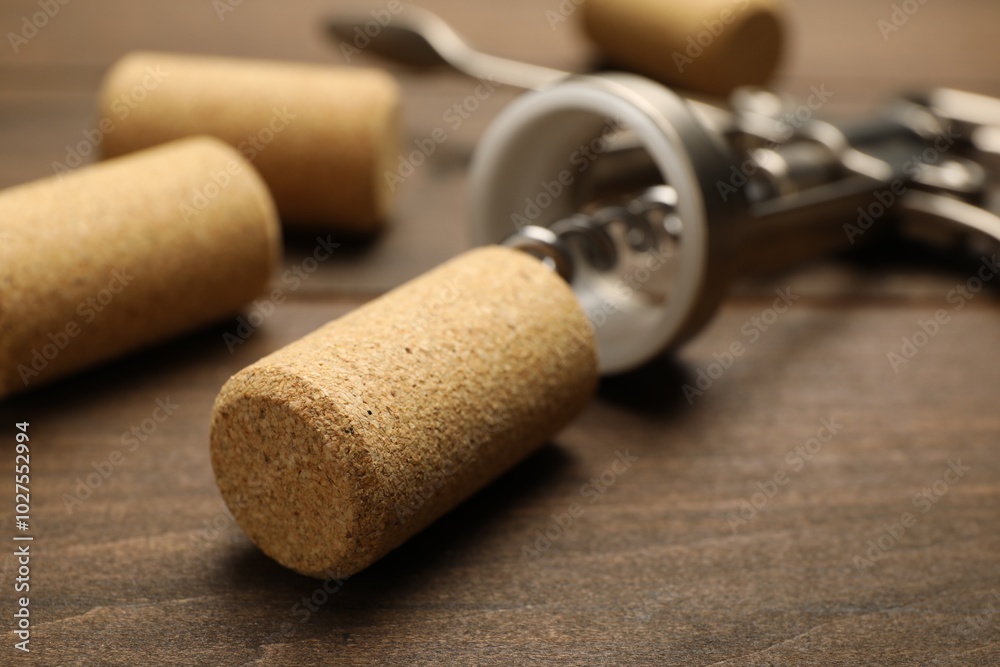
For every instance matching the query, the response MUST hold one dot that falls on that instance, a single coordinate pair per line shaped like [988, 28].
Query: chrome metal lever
[421, 38]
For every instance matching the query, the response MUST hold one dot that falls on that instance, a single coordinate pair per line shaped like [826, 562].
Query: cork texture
[322, 137]
[121, 254]
[711, 46]
[334, 450]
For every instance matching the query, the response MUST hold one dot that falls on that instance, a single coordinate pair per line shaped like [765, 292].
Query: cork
[125, 253]
[711, 46]
[334, 450]
[322, 137]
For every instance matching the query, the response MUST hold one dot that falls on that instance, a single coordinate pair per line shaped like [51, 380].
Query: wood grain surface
[761, 523]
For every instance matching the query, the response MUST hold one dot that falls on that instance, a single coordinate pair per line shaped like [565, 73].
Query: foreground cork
[322, 137]
[333, 451]
[710, 46]
[125, 253]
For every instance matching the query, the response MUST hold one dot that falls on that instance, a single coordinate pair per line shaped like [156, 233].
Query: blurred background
[48, 89]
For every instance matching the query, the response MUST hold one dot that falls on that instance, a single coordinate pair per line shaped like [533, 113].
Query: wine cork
[711, 46]
[322, 137]
[121, 254]
[334, 450]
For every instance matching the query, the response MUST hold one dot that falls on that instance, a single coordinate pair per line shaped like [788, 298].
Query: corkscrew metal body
[649, 204]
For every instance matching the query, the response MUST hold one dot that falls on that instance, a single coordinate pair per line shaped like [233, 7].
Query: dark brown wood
[671, 563]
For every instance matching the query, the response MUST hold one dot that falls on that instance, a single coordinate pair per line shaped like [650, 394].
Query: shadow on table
[122, 377]
[302, 243]
[654, 390]
[651, 390]
[431, 556]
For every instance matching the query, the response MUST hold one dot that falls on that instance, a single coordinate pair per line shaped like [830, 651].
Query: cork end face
[282, 479]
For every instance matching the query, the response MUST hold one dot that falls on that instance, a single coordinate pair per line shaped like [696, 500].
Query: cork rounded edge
[754, 50]
[267, 209]
[117, 78]
[390, 127]
[286, 481]
[269, 214]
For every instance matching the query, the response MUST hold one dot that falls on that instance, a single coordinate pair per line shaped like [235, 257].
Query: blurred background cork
[710, 46]
[126, 253]
[322, 137]
[51, 91]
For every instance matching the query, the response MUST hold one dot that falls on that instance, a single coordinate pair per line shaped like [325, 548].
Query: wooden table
[732, 538]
